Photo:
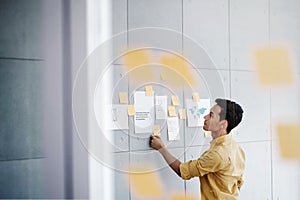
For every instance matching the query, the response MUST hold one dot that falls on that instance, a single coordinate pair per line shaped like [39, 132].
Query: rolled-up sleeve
[210, 161]
[189, 170]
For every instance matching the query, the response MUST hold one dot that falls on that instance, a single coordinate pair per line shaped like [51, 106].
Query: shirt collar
[220, 140]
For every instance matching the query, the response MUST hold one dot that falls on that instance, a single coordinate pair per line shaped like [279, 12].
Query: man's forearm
[171, 160]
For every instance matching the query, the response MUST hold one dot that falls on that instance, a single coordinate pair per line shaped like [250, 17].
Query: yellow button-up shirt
[220, 169]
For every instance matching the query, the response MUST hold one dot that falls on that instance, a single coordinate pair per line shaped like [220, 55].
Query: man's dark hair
[230, 111]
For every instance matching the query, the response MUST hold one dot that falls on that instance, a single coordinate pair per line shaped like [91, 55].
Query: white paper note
[196, 111]
[118, 116]
[144, 112]
[161, 107]
[173, 128]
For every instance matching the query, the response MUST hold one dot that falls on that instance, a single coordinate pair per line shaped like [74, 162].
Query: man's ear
[224, 124]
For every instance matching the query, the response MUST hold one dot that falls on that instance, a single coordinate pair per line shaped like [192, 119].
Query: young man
[220, 168]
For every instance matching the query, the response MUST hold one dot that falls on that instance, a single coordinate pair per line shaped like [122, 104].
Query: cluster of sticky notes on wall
[148, 107]
[274, 68]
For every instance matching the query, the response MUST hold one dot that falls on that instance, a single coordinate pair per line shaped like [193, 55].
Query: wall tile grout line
[21, 159]
[229, 47]
[271, 146]
[67, 98]
[23, 59]
[128, 89]
[127, 23]
[270, 105]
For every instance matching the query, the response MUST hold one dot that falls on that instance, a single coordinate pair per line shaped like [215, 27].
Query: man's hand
[156, 142]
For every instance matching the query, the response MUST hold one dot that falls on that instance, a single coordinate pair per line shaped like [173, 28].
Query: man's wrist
[162, 149]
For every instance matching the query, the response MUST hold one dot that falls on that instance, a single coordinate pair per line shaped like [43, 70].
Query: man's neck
[217, 134]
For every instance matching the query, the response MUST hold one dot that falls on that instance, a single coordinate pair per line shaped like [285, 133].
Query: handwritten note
[173, 128]
[161, 107]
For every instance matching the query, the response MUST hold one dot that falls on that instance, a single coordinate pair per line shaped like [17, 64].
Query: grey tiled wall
[229, 32]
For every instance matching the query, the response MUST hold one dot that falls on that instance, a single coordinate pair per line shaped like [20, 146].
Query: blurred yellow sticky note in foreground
[182, 197]
[137, 65]
[179, 66]
[136, 58]
[274, 66]
[289, 140]
[145, 184]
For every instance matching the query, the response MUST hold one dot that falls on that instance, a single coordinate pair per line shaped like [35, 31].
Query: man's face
[212, 120]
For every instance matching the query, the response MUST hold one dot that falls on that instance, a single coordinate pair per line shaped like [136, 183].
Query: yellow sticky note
[172, 111]
[182, 114]
[137, 65]
[156, 130]
[123, 96]
[175, 101]
[179, 66]
[274, 66]
[182, 197]
[145, 184]
[131, 110]
[196, 97]
[149, 90]
[289, 140]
